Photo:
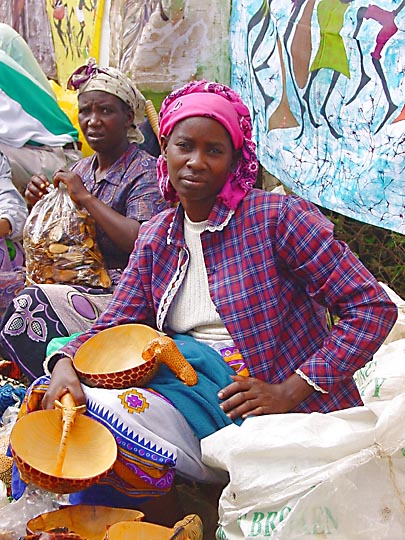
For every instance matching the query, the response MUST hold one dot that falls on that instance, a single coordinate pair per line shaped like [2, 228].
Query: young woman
[240, 278]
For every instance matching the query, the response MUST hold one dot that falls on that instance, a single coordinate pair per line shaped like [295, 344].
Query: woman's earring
[165, 156]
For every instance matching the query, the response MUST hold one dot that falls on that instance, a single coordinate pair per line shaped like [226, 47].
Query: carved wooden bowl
[189, 528]
[113, 357]
[90, 522]
[138, 531]
[34, 443]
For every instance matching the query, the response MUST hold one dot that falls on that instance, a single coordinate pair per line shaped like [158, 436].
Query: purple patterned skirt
[40, 313]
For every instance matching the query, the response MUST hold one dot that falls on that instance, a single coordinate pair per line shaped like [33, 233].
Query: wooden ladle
[69, 411]
[71, 451]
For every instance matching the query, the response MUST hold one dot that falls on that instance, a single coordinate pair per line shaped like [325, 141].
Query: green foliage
[380, 250]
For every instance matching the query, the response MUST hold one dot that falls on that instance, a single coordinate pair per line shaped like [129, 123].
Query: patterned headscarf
[91, 77]
[227, 108]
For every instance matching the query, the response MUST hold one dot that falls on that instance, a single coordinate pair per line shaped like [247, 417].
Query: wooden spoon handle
[69, 412]
[152, 116]
[67, 401]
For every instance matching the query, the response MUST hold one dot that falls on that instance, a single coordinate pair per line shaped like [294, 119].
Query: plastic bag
[14, 516]
[60, 243]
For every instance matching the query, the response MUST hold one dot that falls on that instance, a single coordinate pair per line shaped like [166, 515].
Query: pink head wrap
[221, 103]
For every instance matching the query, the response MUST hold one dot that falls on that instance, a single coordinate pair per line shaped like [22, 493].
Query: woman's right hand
[36, 188]
[64, 379]
[74, 184]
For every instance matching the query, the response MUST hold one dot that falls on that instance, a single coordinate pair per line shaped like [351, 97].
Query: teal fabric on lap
[56, 343]
[199, 404]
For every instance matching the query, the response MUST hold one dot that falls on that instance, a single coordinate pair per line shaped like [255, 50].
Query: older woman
[240, 278]
[118, 188]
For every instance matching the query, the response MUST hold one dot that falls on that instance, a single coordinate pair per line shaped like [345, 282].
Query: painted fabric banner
[163, 44]
[75, 27]
[325, 83]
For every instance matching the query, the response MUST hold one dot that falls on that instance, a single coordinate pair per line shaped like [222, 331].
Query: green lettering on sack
[317, 521]
[284, 512]
[272, 521]
[370, 368]
[264, 525]
[363, 374]
[324, 521]
[331, 518]
[377, 385]
[256, 527]
[363, 389]
[220, 534]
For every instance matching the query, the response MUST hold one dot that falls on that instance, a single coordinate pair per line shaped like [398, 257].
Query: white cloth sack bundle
[383, 378]
[339, 476]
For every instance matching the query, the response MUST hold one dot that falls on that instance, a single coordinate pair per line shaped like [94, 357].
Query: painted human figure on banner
[388, 30]
[325, 87]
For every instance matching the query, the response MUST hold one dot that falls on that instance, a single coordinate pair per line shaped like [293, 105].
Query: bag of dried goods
[60, 243]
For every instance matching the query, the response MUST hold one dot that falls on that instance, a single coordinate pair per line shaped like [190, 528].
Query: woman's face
[104, 120]
[200, 156]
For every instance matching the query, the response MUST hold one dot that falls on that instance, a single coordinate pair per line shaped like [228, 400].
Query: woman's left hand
[247, 396]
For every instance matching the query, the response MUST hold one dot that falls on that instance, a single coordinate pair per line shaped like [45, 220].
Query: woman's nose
[195, 160]
[93, 118]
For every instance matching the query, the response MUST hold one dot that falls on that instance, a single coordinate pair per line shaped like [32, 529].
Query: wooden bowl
[189, 528]
[112, 358]
[90, 522]
[34, 442]
[137, 531]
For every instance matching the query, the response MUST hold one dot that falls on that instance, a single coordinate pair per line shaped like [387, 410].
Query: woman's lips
[94, 136]
[192, 179]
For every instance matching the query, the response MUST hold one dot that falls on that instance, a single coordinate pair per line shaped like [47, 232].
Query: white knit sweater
[192, 310]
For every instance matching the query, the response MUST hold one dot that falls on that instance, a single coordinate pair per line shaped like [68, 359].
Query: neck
[198, 224]
[199, 211]
[105, 160]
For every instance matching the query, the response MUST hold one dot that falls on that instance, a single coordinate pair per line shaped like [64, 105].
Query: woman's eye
[183, 145]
